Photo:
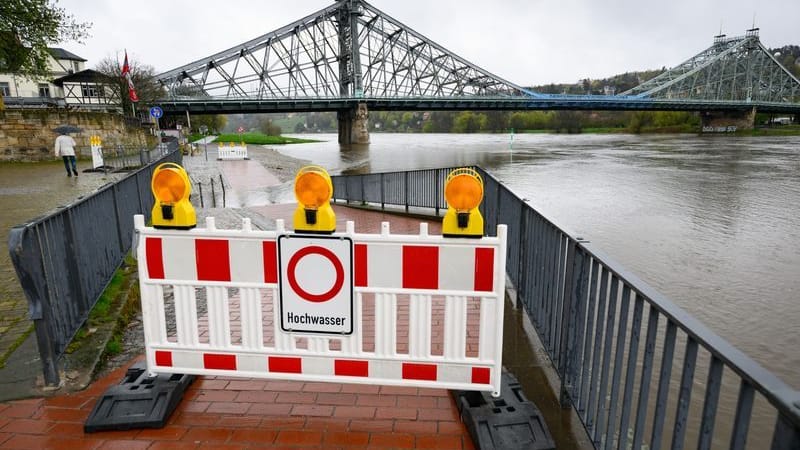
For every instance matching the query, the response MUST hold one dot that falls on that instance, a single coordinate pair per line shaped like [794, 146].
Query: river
[712, 222]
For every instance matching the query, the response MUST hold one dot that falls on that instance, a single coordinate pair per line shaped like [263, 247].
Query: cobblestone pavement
[28, 191]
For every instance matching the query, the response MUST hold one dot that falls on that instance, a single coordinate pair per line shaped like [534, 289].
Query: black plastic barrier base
[510, 421]
[139, 401]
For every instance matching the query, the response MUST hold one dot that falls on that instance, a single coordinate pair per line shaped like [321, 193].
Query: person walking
[65, 147]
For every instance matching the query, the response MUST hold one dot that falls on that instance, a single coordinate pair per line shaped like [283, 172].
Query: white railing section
[426, 311]
[232, 152]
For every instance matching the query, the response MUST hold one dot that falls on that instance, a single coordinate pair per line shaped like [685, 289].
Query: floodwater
[28, 191]
[712, 222]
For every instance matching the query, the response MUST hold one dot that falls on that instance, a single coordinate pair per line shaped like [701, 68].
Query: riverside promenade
[237, 413]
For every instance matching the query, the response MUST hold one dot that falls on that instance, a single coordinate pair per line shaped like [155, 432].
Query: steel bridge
[352, 54]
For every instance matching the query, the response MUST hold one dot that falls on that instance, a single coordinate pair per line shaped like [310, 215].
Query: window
[90, 90]
[5, 89]
[44, 90]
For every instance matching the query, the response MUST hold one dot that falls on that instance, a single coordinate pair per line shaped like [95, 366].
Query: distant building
[89, 89]
[71, 86]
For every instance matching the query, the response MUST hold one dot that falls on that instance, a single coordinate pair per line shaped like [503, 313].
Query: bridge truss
[738, 69]
[347, 50]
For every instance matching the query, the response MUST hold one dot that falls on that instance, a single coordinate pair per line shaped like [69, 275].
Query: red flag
[126, 73]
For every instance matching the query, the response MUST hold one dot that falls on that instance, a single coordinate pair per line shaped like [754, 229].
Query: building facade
[70, 86]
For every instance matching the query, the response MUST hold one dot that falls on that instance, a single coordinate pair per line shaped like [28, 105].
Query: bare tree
[147, 87]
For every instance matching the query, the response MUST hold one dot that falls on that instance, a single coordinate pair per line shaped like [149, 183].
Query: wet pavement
[28, 191]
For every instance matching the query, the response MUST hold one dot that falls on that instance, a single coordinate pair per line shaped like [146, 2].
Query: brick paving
[219, 412]
[224, 412]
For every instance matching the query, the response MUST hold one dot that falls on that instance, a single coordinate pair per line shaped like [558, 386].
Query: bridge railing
[629, 376]
[66, 259]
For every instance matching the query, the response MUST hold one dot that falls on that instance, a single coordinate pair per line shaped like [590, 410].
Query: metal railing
[125, 158]
[589, 313]
[66, 259]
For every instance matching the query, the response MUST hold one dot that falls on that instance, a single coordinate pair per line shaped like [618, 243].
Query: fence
[125, 158]
[232, 151]
[415, 310]
[65, 260]
[589, 313]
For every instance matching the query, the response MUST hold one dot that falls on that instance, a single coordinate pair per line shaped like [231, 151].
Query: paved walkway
[243, 413]
[219, 412]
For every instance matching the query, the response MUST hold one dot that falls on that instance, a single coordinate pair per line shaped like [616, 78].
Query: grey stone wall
[27, 135]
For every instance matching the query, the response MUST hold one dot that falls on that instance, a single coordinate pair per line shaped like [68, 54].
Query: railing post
[114, 190]
[346, 191]
[383, 195]
[407, 191]
[213, 194]
[73, 268]
[786, 435]
[200, 193]
[363, 196]
[570, 321]
[436, 190]
[523, 246]
[31, 273]
[222, 184]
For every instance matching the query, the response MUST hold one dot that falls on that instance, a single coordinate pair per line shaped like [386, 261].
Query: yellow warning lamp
[313, 189]
[463, 191]
[171, 188]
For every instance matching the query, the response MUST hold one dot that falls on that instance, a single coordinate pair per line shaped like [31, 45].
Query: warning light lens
[464, 191]
[169, 186]
[312, 189]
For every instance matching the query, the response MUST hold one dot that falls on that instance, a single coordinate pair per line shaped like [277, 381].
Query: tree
[469, 122]
[144, 80]
[267, 127]
[214, 123]
[27, 29]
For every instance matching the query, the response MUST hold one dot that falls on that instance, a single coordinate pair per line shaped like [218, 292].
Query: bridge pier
[353, 125]
[725, 121]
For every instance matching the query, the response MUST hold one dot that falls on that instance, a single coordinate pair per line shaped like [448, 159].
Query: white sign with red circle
[315, 283]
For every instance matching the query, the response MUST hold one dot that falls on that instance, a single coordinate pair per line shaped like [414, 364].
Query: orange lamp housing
[171, 189]
[313, 189]
[463, 191]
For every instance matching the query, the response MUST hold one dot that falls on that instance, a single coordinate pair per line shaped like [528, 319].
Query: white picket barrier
[232, 152]
[425, 311]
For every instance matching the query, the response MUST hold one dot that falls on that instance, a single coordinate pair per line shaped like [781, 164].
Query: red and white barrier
[232, 152]
[416, 310]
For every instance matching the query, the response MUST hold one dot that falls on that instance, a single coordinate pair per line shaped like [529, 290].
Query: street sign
[156, 112]
[315, 283]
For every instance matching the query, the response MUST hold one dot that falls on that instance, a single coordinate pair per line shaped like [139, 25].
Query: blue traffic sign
[156, 112]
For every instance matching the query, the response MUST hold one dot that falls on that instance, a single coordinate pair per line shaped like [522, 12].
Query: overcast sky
[528, 42]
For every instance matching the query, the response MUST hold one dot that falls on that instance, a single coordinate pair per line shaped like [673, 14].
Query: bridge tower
[340, 58]
[737, 70]
[352, 122]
